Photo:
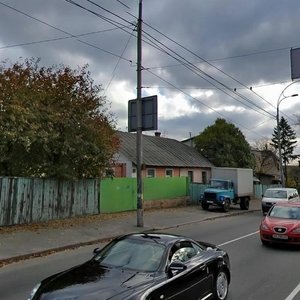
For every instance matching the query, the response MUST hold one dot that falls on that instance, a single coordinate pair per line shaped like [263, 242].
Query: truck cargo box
[242, 179]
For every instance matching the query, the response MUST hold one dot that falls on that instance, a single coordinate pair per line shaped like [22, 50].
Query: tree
[53, 122]
[225, 146]
[266, 160]
[288, 142]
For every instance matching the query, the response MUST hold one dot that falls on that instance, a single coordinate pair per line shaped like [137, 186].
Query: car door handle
[203, 266]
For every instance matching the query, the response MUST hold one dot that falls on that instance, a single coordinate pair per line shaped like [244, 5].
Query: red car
[281, 224]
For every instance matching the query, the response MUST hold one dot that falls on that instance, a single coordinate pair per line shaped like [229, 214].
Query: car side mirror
[175, 268]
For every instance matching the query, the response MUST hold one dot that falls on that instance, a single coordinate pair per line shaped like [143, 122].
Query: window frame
[172, 171]
[154, 172]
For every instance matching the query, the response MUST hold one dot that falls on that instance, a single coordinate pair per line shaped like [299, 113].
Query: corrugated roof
[160, 151]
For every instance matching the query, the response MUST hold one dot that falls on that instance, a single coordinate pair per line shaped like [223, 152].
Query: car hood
[214, 190]
[93, 281]
[273, 200]
[288, 223]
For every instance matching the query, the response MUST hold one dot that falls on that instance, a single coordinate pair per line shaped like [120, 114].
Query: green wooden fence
[120, 194]
[33, 200]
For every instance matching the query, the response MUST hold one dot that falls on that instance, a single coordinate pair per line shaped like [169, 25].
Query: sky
[204, 59]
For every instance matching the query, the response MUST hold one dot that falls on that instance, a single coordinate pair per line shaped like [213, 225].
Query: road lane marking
[293, 293]
[239, 238]
[297, 288]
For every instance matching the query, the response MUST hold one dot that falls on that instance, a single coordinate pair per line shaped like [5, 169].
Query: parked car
[274, 195]
[281, 224]
[144, 266]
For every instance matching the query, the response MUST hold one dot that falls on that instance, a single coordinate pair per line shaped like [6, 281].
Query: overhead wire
[71, 1]
[188, 64]
[123, 4]
[101, 7]
[108, 11]
[59, 39]
[114, 23]
[70, 35]
[207, 62]
[210, 64]
[204, 104]
[116, 66]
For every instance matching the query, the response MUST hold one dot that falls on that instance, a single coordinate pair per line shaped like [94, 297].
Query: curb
[18, 258]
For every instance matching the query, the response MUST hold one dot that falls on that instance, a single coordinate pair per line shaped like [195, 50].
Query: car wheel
[265, 243]
[221, 286]
[226, 205]
[204, 205]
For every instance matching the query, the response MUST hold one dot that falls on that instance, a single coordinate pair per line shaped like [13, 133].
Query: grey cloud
[248, 40]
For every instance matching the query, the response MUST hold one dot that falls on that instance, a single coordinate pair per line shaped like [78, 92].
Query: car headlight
[264, 227]
[296, 230]
[36, 287]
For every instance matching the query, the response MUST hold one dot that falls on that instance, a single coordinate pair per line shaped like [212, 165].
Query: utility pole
[140, 211]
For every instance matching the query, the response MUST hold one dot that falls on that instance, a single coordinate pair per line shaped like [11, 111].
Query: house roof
[160, 151]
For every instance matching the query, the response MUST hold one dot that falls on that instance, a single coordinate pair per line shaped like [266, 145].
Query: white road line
[239, 238]
[293, 293]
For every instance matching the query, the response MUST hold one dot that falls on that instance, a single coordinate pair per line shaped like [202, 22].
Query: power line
[188, 64]
[239, 82]
[207, 62]
[199, 70]
[57, 39]
[123, 4]
[117, 64]
[110, 12]
[195, 69]
[70, 35]
[222, 115]
[98, 15]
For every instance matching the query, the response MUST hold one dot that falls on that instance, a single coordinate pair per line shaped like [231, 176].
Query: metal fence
[31, 200]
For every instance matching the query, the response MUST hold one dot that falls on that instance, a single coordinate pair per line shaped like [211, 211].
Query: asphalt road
[258, 273]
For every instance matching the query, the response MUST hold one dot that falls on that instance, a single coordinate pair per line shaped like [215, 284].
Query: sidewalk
[24, 242]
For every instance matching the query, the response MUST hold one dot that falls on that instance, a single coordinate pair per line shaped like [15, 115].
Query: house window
[204, 177]
[150, 172]
[133, 173]
[191, 176]
[169, 173]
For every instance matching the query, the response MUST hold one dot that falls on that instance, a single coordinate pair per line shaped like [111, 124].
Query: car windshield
[275, 194]
[219, 184]
[285, 212]
[132, 254]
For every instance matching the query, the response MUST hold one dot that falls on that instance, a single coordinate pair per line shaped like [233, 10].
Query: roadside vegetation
[53, 123]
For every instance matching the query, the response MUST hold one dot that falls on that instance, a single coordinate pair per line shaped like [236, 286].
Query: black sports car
[144, 266]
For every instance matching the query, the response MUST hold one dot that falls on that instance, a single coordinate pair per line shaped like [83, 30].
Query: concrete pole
[140, 211]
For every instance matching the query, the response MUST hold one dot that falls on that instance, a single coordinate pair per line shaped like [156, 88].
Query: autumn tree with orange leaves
[53, 123]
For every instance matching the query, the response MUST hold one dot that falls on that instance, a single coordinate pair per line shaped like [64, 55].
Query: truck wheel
[226, 205]
[204, 205]
[244, 205]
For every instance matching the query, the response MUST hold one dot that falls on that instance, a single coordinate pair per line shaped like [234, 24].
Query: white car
[274, 195]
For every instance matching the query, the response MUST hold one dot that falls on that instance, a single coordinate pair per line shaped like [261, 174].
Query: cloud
[199, 57]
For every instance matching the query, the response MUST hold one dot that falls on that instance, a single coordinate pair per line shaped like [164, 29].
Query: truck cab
[219, 193]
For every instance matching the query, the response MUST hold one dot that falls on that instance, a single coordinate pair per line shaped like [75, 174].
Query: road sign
[149, 114]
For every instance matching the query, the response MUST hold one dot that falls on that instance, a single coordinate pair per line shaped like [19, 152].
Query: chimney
[157, 133]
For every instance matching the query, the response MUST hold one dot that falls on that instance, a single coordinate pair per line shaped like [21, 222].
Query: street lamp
[278, 131]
